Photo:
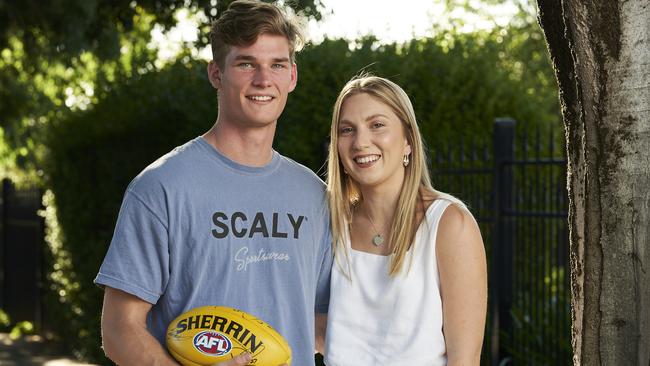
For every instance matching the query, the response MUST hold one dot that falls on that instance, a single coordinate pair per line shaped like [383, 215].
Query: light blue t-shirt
[196, 229]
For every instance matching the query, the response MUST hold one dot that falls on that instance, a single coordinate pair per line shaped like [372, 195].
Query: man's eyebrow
[245, 58]
[252, 58]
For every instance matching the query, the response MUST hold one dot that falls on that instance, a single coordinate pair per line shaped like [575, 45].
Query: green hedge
[92, 157]
[458, 84]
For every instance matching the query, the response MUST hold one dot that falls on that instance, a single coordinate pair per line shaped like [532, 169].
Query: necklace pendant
[378, 240]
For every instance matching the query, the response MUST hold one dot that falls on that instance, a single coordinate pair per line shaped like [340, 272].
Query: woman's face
[371, 142]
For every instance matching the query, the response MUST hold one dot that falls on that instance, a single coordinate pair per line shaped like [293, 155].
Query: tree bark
[601, 54]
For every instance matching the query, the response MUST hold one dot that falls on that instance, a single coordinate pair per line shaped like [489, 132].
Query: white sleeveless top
[377, 320]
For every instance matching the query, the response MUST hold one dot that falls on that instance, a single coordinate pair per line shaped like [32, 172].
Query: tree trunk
[601, 53]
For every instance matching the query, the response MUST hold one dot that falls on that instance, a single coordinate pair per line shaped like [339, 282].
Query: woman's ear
[407, 148]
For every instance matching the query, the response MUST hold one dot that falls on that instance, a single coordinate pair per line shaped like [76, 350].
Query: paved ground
[32, 351]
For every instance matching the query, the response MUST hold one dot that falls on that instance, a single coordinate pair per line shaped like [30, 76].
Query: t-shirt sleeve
[137, 261]
[323, 285]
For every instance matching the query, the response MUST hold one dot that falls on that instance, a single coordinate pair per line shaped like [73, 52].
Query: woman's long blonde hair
[343, 192]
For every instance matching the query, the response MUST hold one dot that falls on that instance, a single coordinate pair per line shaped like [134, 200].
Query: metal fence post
[3, 226]
[502, 244]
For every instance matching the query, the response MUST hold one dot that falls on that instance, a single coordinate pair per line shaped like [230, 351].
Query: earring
[406, 160]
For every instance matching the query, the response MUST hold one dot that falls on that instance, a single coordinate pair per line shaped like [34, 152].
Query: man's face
[254, 82]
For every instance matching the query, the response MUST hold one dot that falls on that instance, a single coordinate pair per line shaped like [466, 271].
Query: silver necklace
[378, 239]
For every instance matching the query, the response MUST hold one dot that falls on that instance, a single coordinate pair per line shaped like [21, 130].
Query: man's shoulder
[300, 172]
[168, 168]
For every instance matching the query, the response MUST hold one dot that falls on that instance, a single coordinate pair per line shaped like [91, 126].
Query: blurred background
[93, 91]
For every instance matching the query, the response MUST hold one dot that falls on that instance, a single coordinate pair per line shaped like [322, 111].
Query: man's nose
[262, 77]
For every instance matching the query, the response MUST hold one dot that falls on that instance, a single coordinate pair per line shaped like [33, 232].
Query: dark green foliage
[457, 87]
[94, 155]
[64, 28]
[49, 49]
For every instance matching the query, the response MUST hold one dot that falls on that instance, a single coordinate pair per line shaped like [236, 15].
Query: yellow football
[210, 334]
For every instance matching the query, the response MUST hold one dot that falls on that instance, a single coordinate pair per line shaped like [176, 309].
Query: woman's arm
[463, 285]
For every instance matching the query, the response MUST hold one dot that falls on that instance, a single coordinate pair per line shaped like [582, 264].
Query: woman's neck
[380, 204]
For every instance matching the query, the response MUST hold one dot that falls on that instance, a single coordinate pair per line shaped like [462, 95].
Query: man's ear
[294, 77]
[214, 75]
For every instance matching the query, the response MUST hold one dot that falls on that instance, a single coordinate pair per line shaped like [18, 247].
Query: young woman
[409, 282]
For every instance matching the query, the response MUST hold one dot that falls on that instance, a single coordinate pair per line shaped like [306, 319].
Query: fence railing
[517, 191]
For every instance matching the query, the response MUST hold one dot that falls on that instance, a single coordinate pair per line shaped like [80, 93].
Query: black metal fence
[517, 192]
[21, 254]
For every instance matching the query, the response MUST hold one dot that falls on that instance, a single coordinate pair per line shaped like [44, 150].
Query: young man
[224, 219]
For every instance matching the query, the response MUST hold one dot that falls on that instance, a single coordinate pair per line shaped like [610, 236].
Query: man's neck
[246, 146]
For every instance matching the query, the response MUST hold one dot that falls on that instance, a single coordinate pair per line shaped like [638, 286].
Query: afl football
[209, 334]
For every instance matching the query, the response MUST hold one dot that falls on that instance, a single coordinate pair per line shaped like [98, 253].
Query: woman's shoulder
[457, 228]
[427, 199]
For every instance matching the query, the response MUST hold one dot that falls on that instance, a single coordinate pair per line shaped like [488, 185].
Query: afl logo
[212, 343]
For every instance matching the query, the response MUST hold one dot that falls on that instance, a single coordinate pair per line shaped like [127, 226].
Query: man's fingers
[240, 360]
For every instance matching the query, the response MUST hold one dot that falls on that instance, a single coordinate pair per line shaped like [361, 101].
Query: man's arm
[125, 337]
